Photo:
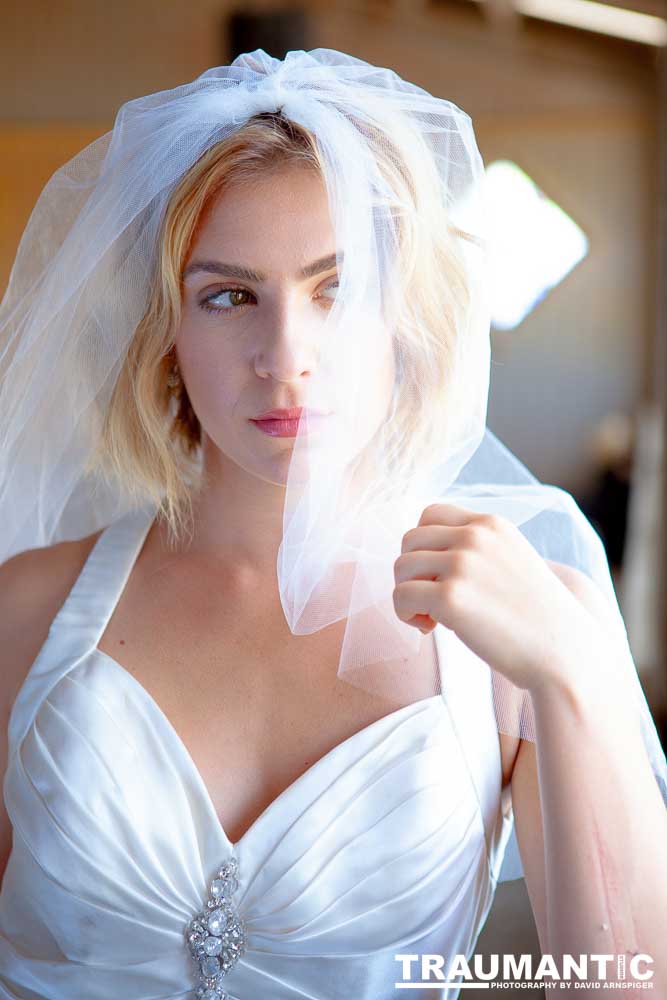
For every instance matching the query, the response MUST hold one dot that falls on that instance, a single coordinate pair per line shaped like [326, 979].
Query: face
[258, 286]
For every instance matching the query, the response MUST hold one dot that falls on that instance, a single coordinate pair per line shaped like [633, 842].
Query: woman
[184, 754]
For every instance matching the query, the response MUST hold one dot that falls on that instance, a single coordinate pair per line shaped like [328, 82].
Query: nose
[287, 347]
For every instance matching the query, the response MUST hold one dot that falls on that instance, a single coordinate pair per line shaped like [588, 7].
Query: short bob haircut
[151, 437]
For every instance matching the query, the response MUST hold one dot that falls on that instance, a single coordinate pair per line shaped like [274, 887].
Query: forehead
[270, 223]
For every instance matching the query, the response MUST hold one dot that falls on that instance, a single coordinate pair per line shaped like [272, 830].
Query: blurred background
[569, 102]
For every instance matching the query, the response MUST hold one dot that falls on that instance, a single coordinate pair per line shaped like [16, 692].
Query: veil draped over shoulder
[404, 180]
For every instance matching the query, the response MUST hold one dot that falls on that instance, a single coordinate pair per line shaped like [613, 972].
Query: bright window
[534, 244]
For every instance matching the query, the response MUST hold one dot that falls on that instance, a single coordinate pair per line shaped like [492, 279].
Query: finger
[424, 623]
[418, 597]
[446, 513]
[419, 565]
[431, 536]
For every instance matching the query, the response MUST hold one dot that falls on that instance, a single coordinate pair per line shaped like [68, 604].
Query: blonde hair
[151, 438]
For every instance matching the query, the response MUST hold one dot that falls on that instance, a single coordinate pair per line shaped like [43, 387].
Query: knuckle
[398, 598]
[399, 565]
[408, 540]
[491, 522]
[476, 535]
[452, 591]
[459, 564]
[430, 513]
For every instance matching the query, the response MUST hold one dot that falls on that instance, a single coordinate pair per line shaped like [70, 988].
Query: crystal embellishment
[216, 935]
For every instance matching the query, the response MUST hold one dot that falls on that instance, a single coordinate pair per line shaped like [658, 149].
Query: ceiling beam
[603, 18]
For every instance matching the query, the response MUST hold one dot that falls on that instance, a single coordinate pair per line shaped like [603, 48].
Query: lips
[285, 422]
[291, 413]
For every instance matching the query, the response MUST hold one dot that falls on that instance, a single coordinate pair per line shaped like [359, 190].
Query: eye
[332, 286]
[234, 293]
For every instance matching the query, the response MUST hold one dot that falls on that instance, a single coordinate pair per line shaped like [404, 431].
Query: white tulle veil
[404, 179]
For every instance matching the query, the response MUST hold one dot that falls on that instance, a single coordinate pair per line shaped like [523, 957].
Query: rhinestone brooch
[216, 936]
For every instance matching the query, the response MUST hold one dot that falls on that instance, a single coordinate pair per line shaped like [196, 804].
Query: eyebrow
[246, 274]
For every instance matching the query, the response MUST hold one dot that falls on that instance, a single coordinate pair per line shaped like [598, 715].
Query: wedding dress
[390, 844]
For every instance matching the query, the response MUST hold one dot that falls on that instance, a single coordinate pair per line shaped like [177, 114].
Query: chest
[254, 705]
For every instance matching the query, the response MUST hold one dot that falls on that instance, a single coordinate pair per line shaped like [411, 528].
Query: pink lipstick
[284, 422]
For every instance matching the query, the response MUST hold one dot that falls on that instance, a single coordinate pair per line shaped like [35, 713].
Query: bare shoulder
[33, 586]
[586, 591]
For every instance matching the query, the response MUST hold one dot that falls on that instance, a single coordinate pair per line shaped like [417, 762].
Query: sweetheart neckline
[234, 846]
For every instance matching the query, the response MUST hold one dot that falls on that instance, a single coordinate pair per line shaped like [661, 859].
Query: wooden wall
[577, 112]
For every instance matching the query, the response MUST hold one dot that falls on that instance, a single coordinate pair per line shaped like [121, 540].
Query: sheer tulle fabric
[405, 182]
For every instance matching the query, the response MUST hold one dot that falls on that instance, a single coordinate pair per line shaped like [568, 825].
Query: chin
[274, 470]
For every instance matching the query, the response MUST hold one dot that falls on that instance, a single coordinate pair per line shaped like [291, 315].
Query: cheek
[363, 386]
[211, 373]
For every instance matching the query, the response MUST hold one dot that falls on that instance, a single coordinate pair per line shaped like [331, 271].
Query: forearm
[605, 827]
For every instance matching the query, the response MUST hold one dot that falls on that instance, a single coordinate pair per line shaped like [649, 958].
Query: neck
[238, 517]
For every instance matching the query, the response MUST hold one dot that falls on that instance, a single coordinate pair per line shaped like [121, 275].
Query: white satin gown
[391, 843]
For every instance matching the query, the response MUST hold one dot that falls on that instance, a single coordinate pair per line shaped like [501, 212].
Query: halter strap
[83, 617]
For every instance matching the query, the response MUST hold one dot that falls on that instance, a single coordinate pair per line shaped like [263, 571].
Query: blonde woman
[196, 801]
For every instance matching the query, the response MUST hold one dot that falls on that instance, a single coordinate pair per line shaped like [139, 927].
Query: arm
[591, 824]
